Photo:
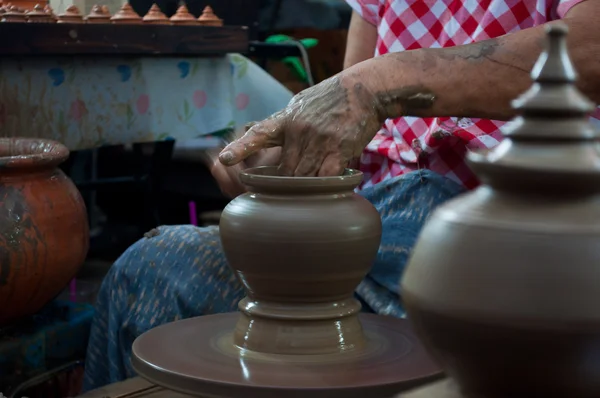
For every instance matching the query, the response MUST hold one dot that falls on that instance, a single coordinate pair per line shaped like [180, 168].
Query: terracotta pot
[299, 272]
[44, 234]
[504, 282]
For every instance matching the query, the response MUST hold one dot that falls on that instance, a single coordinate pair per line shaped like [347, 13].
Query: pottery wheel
[197, 356]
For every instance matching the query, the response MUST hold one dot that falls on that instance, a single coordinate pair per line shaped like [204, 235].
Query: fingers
[290, 155]
[228, 179]
[316, 157]
[312, 158]
[262, 135]
[333, 165]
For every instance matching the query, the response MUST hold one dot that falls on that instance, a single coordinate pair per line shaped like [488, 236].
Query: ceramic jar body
[503, 288]
[44, 235]
[300, 249]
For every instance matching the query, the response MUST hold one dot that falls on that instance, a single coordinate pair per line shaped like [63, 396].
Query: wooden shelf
[107, 39]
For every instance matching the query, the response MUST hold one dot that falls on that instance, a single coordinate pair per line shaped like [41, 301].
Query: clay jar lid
[183, 17]
[38, 15]
[71, 15]
[98, 15]
[155, 16]
[14, 14]
[209, 18]
[126, 15]
[48, 10]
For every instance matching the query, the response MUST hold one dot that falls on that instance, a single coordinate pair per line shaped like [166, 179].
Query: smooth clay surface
[300, 246]
[197, 356]
[503, 282]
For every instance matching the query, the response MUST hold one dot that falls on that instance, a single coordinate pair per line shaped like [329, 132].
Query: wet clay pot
[300, 246]
[504, 283]
[44, 234]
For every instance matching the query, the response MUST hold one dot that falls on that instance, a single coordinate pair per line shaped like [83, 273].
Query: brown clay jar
[44, 234]
[503, 283]
[300, 246]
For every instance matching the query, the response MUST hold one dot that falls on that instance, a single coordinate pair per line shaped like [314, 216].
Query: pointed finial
[554, 65]
[209, 18]
[553, 94]
[183, 16]
[126, 15]
[552, 145]
[155, 16]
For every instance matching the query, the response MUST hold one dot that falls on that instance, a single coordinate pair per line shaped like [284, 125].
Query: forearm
[362, 38]
[477, 80]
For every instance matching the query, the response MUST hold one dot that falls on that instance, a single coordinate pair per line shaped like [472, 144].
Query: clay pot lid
[48, 10]
[99, 12]
[14, 14]
[14, 10]
[183, 16]
[70, 14]
[126, 13]
[539, 150]
[38, 11]
[155, 14]
[209, 17]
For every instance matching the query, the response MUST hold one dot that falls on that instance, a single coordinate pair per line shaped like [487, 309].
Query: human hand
[321, 130]
[228, 177]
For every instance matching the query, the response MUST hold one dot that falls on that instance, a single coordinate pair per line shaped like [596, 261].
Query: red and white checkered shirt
[440, 144]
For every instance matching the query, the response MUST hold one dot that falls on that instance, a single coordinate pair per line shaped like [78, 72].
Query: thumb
[262, 135]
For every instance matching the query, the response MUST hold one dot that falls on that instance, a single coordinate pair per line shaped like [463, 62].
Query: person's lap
[178, 272]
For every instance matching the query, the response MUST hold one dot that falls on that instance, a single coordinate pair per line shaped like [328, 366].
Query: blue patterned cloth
[177, 272]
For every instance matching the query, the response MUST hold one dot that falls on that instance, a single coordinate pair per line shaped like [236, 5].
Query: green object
[294, 63]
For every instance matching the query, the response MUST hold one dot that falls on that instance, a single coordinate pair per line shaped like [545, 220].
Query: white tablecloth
[87, 102]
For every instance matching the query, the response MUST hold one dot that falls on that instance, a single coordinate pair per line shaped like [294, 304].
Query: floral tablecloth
[87, 102]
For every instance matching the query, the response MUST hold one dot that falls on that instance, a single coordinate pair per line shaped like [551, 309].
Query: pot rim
[265, 177]
[32, 153]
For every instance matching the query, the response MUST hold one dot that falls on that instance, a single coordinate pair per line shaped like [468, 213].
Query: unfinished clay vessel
[183, 17]
[503, 282]
[294, 266]
[44, 234]
[126, 15]
[155, 16]
[209, 18]
[71, 15]
[299, 246]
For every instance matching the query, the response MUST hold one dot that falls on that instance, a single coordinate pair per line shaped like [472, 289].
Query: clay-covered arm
[479, 80]
[328, 125]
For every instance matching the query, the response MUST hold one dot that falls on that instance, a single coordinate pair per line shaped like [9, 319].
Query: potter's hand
[228, 177]
[321, 130]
